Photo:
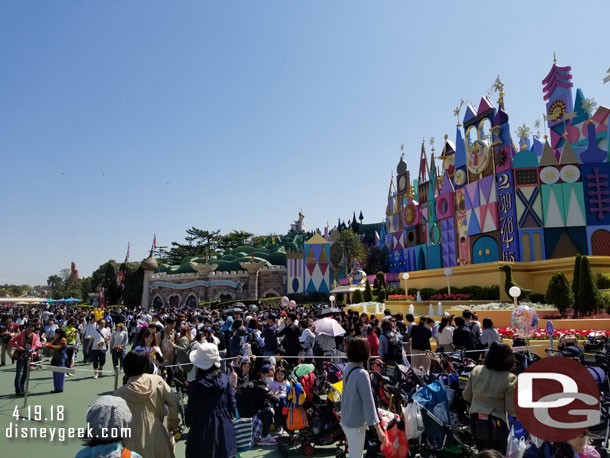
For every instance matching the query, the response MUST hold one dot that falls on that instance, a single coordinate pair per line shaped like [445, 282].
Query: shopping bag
[396, 446]
[243, 432]
[515, 447]
[414, 423]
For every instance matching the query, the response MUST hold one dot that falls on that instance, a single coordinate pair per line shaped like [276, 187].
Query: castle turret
[149, 265]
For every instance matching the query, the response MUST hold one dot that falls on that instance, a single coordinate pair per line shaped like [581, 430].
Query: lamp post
[332, 300]
[514, 292]
[448, 273]
[405, 277]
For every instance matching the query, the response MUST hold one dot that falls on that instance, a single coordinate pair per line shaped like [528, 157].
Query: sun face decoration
[478, 156]
[449, 165]
[557, 110]
[411, 215]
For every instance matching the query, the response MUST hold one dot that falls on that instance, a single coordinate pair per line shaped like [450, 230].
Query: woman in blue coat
[211, 404]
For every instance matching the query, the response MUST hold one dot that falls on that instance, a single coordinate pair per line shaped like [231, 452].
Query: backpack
[394, 348]
[308, 383]
[237, 345]
[254, 345]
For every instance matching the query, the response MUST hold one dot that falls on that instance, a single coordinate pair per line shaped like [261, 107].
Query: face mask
[268, 380]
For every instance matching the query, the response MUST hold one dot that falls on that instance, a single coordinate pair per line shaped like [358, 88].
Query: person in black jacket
[210, 408]
[462, 337]
[257, 399]
[291, 334]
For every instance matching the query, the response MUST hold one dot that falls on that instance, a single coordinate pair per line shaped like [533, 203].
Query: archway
[191, 301]
[157, 302]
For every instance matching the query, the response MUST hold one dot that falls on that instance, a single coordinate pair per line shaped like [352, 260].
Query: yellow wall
[530, 275]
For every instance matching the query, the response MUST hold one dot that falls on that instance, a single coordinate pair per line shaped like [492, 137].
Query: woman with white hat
[211, 404]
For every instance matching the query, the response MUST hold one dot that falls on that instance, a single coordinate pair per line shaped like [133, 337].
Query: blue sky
[120, 119]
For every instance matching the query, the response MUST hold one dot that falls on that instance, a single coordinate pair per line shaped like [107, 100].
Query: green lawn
[80, 392]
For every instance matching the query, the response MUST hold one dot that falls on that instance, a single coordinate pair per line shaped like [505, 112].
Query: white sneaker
[267, 440]
[94, 374]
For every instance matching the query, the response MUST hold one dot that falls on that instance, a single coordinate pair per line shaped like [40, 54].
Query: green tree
[336, 258]
[368, 294]
[379, 287]
[357, 297]
[576, 279]
[559, 293]
[589, 299]
[377, 259]
[352, 248]
[134, 284]
[234, 239]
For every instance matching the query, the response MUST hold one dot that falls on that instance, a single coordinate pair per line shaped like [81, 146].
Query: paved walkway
[80, 392]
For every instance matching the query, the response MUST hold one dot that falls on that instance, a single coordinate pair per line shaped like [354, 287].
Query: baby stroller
[322, 428]
[181, 386]
[440, 438]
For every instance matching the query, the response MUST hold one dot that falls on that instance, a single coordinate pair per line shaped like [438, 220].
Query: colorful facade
[493, 201]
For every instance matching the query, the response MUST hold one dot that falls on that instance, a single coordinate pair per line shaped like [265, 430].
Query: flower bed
[540, 334]
[450, 297]
[503, 306]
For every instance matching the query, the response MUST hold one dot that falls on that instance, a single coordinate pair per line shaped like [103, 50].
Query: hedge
[476, 292]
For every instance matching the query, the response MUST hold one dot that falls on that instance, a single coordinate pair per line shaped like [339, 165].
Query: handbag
[296, 419]
[242, 427]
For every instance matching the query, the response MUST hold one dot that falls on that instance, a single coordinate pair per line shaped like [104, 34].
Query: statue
[418, 298]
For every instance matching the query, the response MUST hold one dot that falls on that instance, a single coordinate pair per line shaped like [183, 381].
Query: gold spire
[554, 58]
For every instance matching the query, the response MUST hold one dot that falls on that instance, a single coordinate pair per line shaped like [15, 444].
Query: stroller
[323, 424]
[181, 385]
[441, 439]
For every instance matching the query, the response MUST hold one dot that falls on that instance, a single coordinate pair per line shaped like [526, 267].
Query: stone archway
[271, 293]
[175, 300]
[158, 301]
[191, 301]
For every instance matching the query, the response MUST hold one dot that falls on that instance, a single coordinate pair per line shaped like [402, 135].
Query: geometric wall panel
[596, 186]
[565, 242]
[529, 207]
[531, 242]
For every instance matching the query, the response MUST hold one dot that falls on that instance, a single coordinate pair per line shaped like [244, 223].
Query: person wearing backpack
[462, 337]
[237, 343]
[390, 344]
[358, 411]
[420, 343]
[269, 335]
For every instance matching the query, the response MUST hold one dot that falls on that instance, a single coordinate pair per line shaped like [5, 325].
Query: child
[279, 389]
[279, 386]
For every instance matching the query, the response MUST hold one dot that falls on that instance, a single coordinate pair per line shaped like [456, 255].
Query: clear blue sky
[120, 119]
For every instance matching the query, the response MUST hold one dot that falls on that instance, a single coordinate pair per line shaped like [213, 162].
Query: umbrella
[328, 311]
[328, 326]
[232, 310]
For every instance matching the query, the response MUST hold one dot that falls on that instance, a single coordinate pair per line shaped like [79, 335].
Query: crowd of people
[216, 354]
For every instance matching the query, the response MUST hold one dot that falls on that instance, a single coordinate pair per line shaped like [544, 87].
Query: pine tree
[576, 280]
[357, 297]
[368, 294]
[589, 299]
[559, 292]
